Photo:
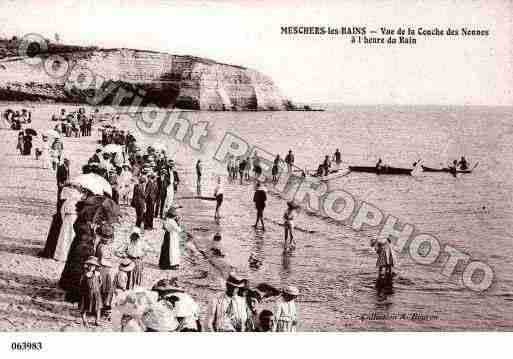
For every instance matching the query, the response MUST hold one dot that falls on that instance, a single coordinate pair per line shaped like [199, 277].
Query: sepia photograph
[255, 166]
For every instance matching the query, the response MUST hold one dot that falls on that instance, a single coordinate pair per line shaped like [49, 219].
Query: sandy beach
[30, 299]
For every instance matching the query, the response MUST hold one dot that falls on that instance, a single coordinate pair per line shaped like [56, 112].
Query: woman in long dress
[170, 193]
[69, 216]
[45, 153]
[170, 250]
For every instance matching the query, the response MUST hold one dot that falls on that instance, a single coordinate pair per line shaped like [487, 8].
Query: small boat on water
[333, 174]
[384, 170]
[447, 170]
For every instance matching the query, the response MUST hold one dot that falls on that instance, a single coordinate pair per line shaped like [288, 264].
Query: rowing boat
[447, 170]
[334, 174]
[385, 170]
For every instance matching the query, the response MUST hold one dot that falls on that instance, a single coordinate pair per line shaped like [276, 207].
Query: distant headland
[165, 80]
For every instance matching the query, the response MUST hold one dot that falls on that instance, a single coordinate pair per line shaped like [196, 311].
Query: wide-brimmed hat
[106, 262]
[236, 280]
[159, 319]
[292, 204]
[171, 212]
[92, 260]
[136, 230]
[126, 265]
[106, 231]
[291, 290]
[167, 285]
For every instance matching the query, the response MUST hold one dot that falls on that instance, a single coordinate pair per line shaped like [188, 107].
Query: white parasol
[52, 133]
[70, 192]
[93, 182]
[112, 148]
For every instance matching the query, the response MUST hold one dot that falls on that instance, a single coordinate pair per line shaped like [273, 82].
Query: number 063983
[25, 346]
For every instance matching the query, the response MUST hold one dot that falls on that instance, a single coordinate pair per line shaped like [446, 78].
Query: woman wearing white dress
[126, 184]
[170, 193]
[45, 153]
[170, 250]
[69, 215]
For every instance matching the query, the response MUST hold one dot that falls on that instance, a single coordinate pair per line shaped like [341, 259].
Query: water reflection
[384, 288]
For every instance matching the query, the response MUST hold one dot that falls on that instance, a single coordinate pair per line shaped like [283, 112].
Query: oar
[198, 197]
[473, 168]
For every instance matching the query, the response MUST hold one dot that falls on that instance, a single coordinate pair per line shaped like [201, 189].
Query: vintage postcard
[255, 166]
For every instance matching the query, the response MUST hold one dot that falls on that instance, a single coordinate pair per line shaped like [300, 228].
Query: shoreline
[31, 299]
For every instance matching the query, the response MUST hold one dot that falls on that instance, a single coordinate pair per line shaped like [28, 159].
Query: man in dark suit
[162, 183]
[139, 201]
[151, 197]
[62, 178]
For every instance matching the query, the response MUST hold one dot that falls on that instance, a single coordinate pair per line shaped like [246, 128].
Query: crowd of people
[102, 278]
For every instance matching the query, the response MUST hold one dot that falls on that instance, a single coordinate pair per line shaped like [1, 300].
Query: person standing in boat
[379, 165]
[337, 157]
[453, 168]
[326, 165]
[289, 160]
[463, 164]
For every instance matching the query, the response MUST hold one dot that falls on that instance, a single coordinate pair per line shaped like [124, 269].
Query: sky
[455, 70]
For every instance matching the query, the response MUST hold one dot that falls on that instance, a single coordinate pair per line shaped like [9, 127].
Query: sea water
[334, 266]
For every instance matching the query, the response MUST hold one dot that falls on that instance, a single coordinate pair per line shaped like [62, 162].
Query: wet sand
[30, 299]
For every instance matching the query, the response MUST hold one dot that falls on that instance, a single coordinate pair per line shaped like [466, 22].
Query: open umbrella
[31, 132]
[93, 182]
[112, 148]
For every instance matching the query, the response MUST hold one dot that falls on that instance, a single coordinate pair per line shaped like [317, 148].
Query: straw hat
[236, 280]
[167, 285]
[126, 265]
[291, 290]
[136, 230]
[92, 260]
[171, 212]
[292, 204]
[106, 262]
[159, 319]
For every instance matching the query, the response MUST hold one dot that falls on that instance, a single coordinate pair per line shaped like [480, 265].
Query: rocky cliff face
[163, 79]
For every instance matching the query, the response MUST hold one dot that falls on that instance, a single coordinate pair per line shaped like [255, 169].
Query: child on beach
[90, 291]
[288, 217]
[217, 247]
[134, 250]
[218, 194]
[285, 311]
